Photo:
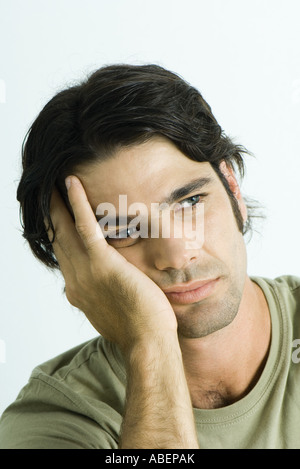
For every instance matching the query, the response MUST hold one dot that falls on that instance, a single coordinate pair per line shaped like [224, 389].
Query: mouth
[191, 292]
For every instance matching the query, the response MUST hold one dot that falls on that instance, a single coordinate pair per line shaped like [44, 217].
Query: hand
[120, 301]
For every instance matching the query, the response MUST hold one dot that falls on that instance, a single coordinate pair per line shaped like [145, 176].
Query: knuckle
[83, 282]
[77, 288]
[58, 237]
[72, 295]
[82, 230]
[87, 235]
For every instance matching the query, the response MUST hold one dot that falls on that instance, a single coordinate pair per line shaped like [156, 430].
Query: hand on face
[120, 301]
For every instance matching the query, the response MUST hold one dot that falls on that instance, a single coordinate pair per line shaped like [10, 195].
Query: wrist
[158, 411]
[150, 346]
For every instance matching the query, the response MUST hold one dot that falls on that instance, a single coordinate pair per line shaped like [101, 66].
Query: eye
[191, 201]
[127, 232]
[124, 237]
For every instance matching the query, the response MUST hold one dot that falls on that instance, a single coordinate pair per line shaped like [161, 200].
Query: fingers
[85, 220]
[68, 248]
[65, 232]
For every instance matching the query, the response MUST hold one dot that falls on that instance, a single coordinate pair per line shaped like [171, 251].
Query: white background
[243, 55]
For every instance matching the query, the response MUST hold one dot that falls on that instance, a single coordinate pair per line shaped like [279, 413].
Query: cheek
[218, 223]
[135, 254]
[221, 234]
[224, 243]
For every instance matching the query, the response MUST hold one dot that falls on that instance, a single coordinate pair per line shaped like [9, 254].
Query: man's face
[149, 173]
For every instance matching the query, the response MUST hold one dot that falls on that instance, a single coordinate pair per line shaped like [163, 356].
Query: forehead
[145, 173]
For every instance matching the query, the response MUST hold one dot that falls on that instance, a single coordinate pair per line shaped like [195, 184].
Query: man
[192, 353]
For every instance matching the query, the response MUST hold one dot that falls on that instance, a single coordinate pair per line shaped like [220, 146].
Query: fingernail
[68, 182]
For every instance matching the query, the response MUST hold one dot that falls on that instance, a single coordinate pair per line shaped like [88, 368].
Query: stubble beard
[209, 315]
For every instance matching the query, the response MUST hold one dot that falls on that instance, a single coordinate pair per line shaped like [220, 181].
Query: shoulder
[72, 401]
[95, 355]
[285, 290]
[289, 282]
[286, 286]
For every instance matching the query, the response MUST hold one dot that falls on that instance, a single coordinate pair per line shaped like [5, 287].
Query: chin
[208, 317]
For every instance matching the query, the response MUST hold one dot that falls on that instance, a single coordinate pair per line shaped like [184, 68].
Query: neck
[223, 367]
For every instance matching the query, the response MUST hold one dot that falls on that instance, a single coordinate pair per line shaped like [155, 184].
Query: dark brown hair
[116, 106]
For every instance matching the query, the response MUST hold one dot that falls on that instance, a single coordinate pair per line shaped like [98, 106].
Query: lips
[191, 292]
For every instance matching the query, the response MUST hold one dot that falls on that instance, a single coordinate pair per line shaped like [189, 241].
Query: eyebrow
[186, 189]
[174, 196]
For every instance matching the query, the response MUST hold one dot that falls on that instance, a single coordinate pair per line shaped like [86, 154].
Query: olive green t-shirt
[76, 400]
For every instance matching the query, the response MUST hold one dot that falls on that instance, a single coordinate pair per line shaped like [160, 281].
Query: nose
[172, 253]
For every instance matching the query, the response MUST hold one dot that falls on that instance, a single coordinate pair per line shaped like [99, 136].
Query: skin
[218, 345]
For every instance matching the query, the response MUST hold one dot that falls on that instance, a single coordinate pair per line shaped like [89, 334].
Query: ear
[228, 173]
